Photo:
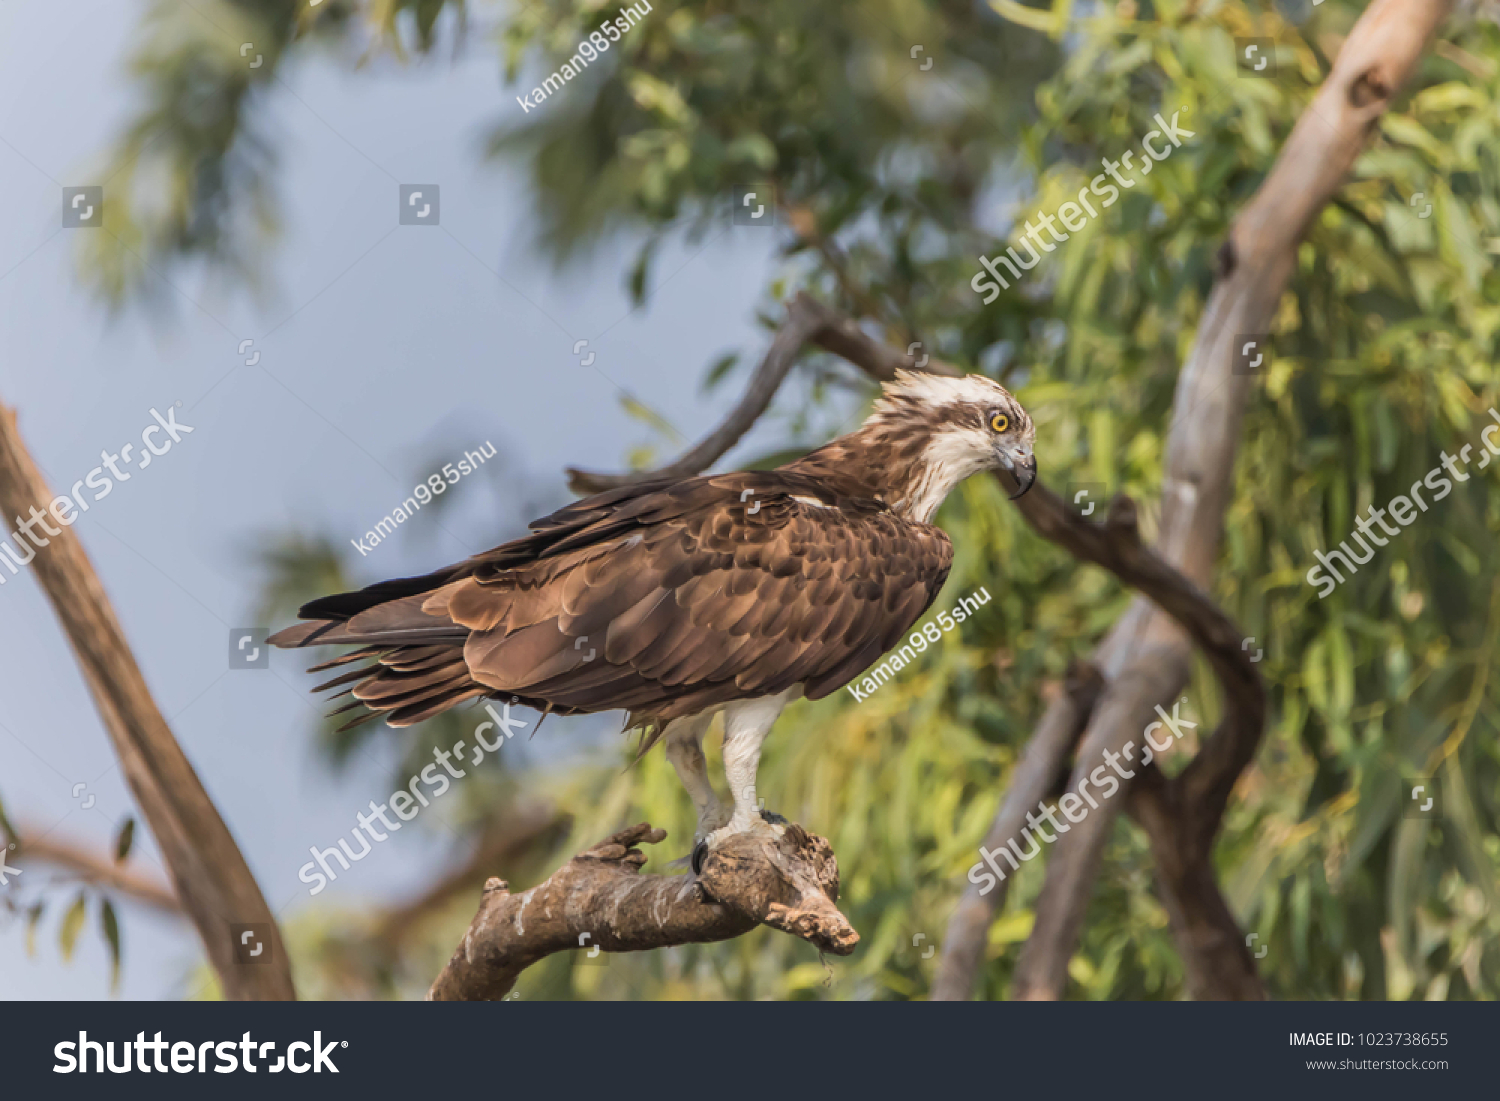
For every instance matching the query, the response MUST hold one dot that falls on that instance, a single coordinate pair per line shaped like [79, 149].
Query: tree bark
[209, 874]
[599, 901]
[1255, 264]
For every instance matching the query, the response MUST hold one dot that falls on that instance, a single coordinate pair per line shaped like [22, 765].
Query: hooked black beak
[1025, 475]
[1022, 467]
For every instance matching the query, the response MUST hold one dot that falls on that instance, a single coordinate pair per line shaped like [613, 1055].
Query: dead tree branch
[599, 898]
[1188, 808]
[208, 872]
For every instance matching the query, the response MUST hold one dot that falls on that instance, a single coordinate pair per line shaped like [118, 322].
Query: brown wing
[661, 598]
[715, 589]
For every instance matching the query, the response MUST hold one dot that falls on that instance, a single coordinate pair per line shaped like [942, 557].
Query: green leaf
[640, 273]
[640, 411]
[1038, 19]
[111, 937]
[721, 367]
[33, 916]
[123, 840]
[1448, 97]
[1406, 131]
[72, 922]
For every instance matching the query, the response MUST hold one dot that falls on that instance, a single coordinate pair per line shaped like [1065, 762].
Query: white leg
[746, 725]
[684, 748]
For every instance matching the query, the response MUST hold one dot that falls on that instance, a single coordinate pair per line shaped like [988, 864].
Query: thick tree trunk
[209, 874]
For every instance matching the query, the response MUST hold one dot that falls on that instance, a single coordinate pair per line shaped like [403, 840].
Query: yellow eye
[999, 422]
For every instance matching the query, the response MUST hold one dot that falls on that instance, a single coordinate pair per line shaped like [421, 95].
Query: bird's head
[960, 425]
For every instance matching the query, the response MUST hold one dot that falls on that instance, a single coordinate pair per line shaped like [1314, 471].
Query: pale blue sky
[402, 344]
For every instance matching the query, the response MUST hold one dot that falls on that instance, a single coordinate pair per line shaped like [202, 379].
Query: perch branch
[599, 898]
[209, 874]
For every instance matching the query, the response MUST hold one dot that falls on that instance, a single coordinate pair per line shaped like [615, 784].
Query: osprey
[677, 599]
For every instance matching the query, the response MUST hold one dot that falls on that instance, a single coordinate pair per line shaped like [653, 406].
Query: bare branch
[1043, 762]
[82, 861]
[842, 336]
[208, 872]
[1126, 707]
[600, 898]
[798, 325]
[806, 320]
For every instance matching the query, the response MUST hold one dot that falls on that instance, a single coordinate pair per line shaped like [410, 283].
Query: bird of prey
[675, 599]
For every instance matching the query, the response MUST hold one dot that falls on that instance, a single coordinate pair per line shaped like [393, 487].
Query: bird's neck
[906, 467]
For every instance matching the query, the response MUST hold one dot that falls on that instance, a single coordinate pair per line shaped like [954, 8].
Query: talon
[700, 852]
[773, 818]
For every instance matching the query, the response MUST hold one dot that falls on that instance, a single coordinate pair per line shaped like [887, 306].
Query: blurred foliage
[31, 901]
[891, 178]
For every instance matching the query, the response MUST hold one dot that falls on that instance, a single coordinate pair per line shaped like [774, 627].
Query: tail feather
[387, 684]
[428, 706]
[342, 606]
[344, 678]
[345, 659]
[332, 633]
[303, 634]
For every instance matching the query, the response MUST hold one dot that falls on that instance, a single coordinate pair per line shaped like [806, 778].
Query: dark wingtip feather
[301, 634]
[341, 606]
[357, 721]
